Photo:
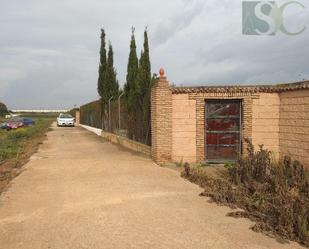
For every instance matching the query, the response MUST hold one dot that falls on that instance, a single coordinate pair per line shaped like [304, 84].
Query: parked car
[28, 121]
[65, 119]
[14, 123]
[4, 126]
[17, 122]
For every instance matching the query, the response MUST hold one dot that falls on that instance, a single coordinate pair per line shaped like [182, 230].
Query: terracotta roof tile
[245, 89]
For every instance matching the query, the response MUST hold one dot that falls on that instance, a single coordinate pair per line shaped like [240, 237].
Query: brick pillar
[77, 117]
[200, 130]
[161, 120]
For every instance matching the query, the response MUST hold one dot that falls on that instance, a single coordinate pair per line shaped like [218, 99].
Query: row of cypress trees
[108, 85]
[136, 89]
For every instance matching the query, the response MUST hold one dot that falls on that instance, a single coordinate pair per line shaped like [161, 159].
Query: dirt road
[81, 192]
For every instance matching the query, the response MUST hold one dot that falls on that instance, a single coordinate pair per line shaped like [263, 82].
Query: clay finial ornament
[161, 72]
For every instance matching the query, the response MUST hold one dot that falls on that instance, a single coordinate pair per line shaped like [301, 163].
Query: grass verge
[17, 146]
[274, 195]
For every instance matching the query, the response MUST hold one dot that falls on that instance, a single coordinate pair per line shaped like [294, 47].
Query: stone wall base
[91, 129]
[127, 143]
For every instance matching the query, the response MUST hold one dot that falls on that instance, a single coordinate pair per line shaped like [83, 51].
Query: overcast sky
[49, 49]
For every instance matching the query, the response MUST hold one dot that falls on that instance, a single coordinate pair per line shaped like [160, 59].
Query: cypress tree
[137, 90]
[139, 82]
[144, 73]
[143, 85]
[148, 81]
[107, 82]
[111, 86]
[102, 66]
[132, 68]
[146, 62]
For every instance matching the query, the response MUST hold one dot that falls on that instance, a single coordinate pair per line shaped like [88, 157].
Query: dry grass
[274, 195]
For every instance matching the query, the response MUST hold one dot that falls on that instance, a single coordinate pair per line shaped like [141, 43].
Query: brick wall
[188, 142]
[294, 125]
[161, 121]
[265, 122]
[276, 116]
[183, 128]
[178, 122]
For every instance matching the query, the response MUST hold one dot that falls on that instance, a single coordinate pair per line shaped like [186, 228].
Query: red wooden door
[223, 130]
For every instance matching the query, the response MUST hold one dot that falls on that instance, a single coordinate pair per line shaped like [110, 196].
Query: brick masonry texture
[265, 122]
[294, 125]
[183, 128]
[161, 121]
[178, 122]
[275, 116]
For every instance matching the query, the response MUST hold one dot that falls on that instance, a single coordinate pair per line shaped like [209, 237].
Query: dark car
[27, 121]
[4, 126]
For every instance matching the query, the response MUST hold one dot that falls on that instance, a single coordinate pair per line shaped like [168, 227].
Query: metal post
[119, 113]
[109, 113]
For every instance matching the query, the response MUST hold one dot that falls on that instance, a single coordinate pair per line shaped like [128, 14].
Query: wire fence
[115, 118]
[91, 114]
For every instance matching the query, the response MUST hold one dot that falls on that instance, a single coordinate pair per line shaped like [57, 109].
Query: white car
[65, 119]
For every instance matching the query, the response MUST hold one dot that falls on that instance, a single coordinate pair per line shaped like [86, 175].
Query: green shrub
[19, 134]
[3, 110]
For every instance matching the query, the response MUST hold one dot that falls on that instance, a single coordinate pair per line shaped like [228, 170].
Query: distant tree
[102, 66]
[3, 109]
